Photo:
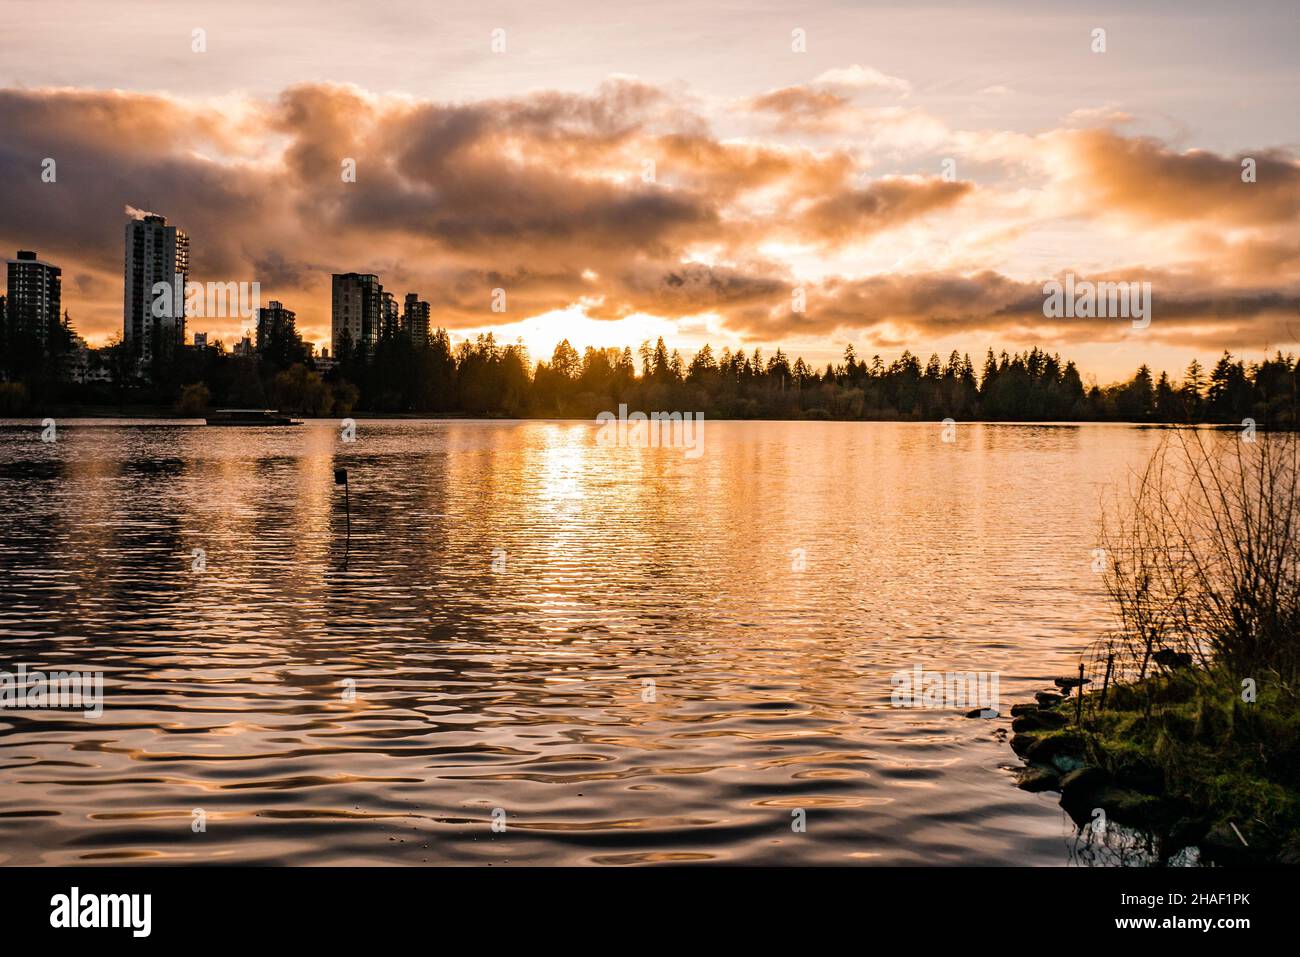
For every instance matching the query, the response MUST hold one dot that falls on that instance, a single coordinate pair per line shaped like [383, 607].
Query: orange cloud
[539, 192]
[1142, 178]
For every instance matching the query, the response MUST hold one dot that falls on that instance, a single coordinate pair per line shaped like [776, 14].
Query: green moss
[1229, 760]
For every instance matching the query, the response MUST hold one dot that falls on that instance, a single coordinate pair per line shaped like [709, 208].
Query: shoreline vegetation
[1199, 771]
[481, 378]
[1186, 723]
[170, 414]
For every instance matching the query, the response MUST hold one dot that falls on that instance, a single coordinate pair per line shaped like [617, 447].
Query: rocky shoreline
[1061, 756]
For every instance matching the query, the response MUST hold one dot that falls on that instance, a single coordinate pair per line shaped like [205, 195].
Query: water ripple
[607, 653]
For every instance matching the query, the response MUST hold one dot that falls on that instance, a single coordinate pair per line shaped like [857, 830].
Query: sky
[759, 175]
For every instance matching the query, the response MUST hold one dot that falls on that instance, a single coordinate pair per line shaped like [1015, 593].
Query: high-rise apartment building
[275, 322]
[392, 316]
[357, 308]
[32, 306]
[415, 319]
[155, 252]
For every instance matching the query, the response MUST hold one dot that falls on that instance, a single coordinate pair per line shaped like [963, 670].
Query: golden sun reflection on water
[615, 646]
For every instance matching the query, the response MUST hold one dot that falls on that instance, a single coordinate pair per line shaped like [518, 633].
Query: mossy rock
[1046, 747]
[1136, 809]
[1087, 778]
[1066, 763]
[1081, 791]
[1186, 758]
[1142, 775]
[1021, 743]
[1039, 721]
[1037, 778]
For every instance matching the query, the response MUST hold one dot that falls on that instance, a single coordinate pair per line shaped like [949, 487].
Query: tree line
[484, 377]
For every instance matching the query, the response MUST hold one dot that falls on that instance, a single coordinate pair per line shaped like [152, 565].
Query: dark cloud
[1184, 311]
[548, 196]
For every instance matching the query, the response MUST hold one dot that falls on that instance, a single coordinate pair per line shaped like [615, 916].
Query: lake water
[625, 655]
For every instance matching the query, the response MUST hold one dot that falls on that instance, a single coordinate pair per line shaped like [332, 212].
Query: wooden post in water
[1078, 704]
[1110, 662]
[341, 478]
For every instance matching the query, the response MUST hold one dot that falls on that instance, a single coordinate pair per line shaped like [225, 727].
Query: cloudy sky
[915, 172]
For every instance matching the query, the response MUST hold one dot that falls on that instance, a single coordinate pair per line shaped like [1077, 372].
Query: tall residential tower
[415, 319]
[358, 308]
[155, 252]
[34, 294]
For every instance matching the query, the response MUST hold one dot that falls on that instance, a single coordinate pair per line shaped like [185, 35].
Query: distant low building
[99, 369]
[75, 364]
